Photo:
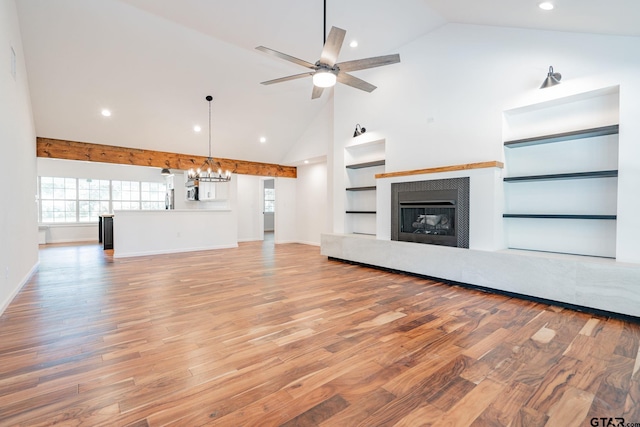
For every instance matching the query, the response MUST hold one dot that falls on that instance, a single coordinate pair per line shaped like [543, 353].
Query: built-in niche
[561, 182]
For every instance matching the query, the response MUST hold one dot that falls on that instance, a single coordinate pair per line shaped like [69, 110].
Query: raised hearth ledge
[577, 281]
[466, 166]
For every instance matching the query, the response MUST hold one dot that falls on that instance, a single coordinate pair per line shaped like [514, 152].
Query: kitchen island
[143, 232]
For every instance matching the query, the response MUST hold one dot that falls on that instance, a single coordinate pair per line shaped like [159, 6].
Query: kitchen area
[174, 221]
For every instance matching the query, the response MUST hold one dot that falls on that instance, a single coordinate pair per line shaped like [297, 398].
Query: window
[69, 200]
[125, 195]
[153, 195]
[269, 200]
[58, 199]
[93, 199]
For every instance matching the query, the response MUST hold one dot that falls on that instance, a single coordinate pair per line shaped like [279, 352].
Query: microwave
[192, 193]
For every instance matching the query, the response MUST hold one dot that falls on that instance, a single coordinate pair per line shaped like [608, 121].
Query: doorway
[269, 208]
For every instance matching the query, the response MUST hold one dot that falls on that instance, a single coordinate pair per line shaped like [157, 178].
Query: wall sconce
[359, 131]
[552, 79]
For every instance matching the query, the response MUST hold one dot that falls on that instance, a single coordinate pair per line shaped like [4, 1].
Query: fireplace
[434, 212]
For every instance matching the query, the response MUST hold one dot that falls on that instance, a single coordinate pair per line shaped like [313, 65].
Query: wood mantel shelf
[466, 166]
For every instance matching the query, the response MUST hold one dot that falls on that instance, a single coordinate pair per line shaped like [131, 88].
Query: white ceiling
[152, 62]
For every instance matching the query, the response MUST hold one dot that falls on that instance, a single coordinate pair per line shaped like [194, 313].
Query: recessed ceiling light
[197, 128]
[354, 43]
[106, 112]
[263, 139]
[546, 5]
[306, 162]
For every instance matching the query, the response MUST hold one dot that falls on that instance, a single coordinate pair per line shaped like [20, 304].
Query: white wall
[444, 103]
[249, 208]
[628, 223]
[95, 170]
[311, 202]
[18, 214]
[286, 217]
[316, 140]
[314, 185]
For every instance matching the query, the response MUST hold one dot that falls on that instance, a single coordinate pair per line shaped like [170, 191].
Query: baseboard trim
[573, 307]
[170, 251]
[18, 288]
[302, 242]
[54, 241]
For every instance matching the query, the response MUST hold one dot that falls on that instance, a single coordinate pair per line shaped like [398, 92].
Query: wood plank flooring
[266, 335]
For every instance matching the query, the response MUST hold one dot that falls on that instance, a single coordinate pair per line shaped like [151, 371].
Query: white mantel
[138, 233]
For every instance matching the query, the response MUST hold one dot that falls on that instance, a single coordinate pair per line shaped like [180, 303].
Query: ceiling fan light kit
[325, 78]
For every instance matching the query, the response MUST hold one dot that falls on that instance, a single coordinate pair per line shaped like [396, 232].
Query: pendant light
[210, 171]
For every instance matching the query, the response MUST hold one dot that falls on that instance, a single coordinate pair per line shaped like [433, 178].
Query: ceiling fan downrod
[324, 24]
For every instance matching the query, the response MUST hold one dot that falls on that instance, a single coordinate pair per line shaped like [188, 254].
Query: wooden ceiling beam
[73, 150]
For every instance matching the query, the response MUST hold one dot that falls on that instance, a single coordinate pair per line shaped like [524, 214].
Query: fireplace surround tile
[459, 186]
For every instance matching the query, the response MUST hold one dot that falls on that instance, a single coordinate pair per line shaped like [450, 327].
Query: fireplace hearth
[433, 212]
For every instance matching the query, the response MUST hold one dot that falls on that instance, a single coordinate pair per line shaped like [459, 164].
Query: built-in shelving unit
[561, 186]
[363, 160]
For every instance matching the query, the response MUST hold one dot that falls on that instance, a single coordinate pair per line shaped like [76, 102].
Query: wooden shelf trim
[73, 150]
[561, 176]
[565, 136]
[366, 164]
[556, 216]
[369, 188]
[466, 166]
[361, 212]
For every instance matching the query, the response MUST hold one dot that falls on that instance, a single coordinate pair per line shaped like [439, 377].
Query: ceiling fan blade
[286, 57]
[363, 64]
[352, 81]
[317, 92]
[332, 46]
[286, 79]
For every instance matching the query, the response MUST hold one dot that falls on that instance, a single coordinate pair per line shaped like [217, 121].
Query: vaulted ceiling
[152, 62]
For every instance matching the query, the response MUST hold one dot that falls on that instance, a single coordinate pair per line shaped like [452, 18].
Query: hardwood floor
[267, 336]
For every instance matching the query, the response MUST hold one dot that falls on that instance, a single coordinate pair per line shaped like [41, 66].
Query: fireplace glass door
[437, 220]
[425, 212]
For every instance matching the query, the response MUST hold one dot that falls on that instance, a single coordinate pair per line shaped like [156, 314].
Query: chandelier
[210, 171]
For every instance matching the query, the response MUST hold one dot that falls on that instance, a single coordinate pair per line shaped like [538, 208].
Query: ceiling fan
[326, 71]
